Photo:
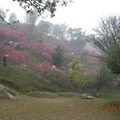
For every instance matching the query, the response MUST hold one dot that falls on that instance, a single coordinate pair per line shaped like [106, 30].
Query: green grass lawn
[62, 108]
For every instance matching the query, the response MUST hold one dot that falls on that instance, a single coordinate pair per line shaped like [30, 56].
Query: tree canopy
[42, 5]
[108, 42]
[58, 56]
[107, 34]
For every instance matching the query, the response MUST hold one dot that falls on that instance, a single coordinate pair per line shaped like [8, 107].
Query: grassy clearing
[42, 94]
[29, 108]
[111, 94]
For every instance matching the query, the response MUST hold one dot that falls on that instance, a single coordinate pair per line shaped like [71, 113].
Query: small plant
[77, 76]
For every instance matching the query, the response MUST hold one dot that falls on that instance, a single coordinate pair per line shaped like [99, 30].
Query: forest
[58, 67]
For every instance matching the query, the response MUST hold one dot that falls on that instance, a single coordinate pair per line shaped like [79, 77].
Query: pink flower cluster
[45, 67]
[5, 50]
[14, 38]
[18, 56]
[93, 60]
[9, 41]
[90, 72]
[44, 50]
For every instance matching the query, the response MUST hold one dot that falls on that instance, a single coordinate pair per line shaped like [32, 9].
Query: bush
[104, 78]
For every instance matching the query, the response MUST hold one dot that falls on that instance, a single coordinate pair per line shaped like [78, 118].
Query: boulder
[85, 96]
[6, 93]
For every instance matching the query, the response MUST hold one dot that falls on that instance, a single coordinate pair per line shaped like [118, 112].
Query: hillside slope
[25, 80]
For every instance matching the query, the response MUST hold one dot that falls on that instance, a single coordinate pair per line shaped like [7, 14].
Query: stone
[85, 96]
[6, 93]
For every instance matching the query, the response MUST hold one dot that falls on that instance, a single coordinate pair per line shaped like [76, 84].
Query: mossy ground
[62, 108]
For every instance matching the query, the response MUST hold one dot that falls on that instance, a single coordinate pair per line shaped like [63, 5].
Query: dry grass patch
[56, 109]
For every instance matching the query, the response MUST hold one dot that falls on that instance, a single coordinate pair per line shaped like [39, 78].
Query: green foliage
[25, 80]
[31, 18]
[104, 77]
[77, 76]
[61, 81]
[109, 93]
[107, 41]
[112, 58]
[42, 5]
[58, 56]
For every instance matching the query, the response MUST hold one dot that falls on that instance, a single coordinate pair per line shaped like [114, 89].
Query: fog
[60, 68]
[81, 13]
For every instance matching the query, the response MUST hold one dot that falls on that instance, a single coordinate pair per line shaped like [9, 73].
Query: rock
[85, 96]
[10, 95]
[6, 93]
[90, 97]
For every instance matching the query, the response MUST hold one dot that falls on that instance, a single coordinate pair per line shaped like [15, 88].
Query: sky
[85, 14]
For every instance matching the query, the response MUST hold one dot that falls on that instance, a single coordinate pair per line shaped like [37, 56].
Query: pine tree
[58, 56]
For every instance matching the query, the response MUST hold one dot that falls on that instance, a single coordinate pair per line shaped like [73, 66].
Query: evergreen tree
[58, 57]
